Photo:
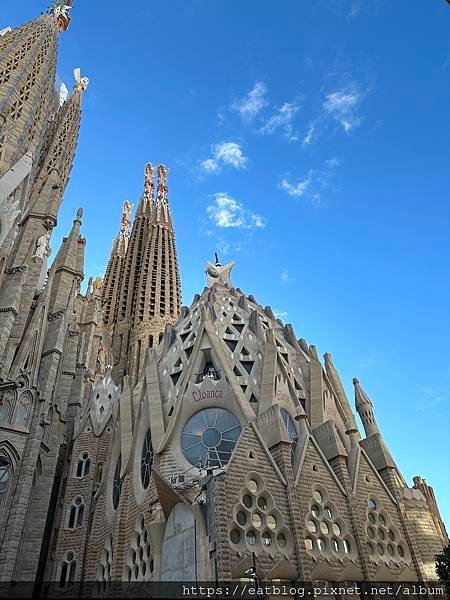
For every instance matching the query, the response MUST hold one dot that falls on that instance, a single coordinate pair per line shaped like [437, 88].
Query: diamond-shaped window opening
[285, 356]
[231, 344]
[248, 365]
[291, 428]
[184, 335]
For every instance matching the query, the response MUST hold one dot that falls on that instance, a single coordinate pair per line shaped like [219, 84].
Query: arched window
[67, 570]
[6, 408]
[22, 411]
[76, 514]
[22, 414]
[99, 472]
[5, 474]
[117, 483]
[84, 464]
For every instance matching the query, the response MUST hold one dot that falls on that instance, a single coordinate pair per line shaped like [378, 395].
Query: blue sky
[307, 141]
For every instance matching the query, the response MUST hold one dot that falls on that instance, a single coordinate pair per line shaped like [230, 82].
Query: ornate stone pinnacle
[60, 11]
[162, 183]
[148, 182]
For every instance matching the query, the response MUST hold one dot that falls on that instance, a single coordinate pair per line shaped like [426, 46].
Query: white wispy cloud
[312, 185]
[226, 212]
[224, 154]
[252, 103]
[280, 314]
[355, 9]
[431, 397]
[308, 138]
[282, 120]
[342, 105]
[286, 277]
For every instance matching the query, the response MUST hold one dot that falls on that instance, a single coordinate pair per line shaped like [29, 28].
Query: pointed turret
[58, 155]
[69, 265]
[364, 407]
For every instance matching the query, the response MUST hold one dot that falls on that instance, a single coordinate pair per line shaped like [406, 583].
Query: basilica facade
[145, 441]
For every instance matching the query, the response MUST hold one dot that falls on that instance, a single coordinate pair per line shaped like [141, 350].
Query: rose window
[209, 437]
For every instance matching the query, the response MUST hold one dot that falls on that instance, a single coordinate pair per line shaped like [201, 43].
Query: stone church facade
[142, 440]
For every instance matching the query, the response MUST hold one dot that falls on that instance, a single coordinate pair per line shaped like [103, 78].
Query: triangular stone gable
[250, 459]
[315, 473]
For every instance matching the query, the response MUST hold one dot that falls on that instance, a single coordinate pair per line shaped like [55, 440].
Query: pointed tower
[115, 270]
[33, 233]
[364, 407]
[28, 100]
[141, 291]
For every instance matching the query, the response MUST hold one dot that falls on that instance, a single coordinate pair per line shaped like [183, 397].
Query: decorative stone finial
[97, 283]
[60, 11]
[126, 221]
[162, 191]
[355, 381]
[148, 181]
[81, 83]
[218, 273]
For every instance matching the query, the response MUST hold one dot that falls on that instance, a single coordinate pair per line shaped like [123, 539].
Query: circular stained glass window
[209, 437]
[146, 459]
[287, 420]
[117, 483]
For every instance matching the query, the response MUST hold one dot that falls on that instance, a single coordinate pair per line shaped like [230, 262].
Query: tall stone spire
[364, 407]
[27, 73]
[135, 250]
[69, 264]
[114, 272]
[59, 152]
[149, 295]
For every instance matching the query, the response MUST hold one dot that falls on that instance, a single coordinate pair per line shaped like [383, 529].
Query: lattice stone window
[76, 513]
[139, 564]
[67, 570]
[104, 568]
[384, 542]
[257, 524]
[326, 532]
[146, 460]
[83, 465]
